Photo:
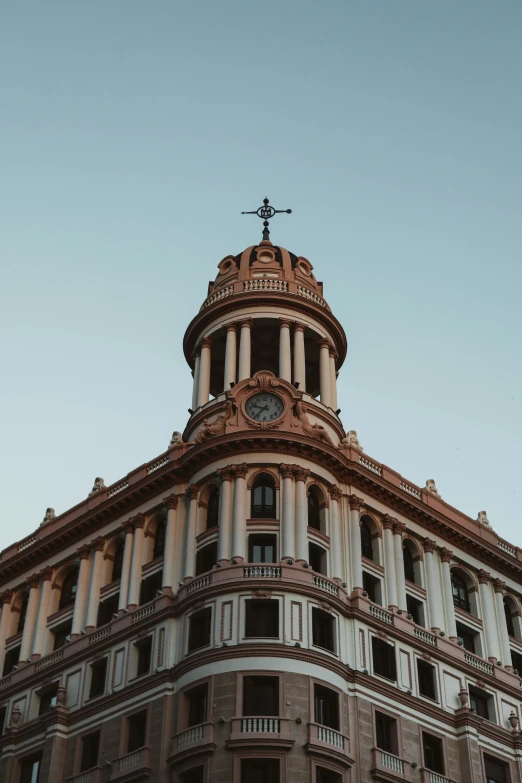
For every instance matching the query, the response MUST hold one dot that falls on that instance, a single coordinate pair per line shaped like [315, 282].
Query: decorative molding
[445, 554]
[355, 502]
[429, 545]
[483, 577]
[171, 501]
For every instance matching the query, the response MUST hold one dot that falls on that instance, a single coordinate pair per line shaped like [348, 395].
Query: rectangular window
[467, 637]
[496, 770]
[384, 659]
[326, 705]
[48, 698]
[261, 770]
[136, 731]
[3, 714]
[325, 775]
[372, 586]
[200, 624]
[323, 629]
[192, 775]
[433, 751]
[62, 635]
[206, 558]
[197, 705]
[426, 676]
[150, 587]
[107, 609]
[11, 659]
[516, 661]
[144, 650]
[98, 677]
[416, 609]
[479, 702]
[386, 735]
[260, 696]
[90, 750]
[317, 558]
[262, 548]
[30, 769]
[261, 618]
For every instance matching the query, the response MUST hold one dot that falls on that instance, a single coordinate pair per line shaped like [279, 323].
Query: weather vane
[265, 213]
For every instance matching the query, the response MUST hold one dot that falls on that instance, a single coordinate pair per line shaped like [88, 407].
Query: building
[263, 602]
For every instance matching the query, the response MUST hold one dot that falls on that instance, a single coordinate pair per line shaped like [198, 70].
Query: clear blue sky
[133, 134]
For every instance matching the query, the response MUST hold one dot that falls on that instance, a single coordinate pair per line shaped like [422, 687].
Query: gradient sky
[133, 134]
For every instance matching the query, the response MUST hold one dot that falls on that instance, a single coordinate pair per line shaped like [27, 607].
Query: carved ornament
[355, 502]
[445, 554]
[483, 577]
[429, 545]
[171, 501]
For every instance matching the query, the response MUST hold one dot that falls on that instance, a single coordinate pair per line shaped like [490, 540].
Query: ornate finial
[265, 213]
[175, 440]
[482, 519]
[98, 486]
[431, 487]
[49, 515]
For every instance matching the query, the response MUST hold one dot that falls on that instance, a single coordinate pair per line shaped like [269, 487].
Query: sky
[133, 135]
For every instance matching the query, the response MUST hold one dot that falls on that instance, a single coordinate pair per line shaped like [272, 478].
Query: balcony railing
[192, 738]
[381, 614]
[325, 584]
[478, 663]
[260, 729]
[324, 735]
[138, 760]
[434, 777]
[269, 571]
[90, 776]
[393, 766]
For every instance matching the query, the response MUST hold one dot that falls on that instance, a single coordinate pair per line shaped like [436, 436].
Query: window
[426, 676]
[516, 660]
[262, 618]
[325, 775]
[90, 750]
[326, 707]
[98, 677]
[150, 587]
[199, 629]
[460, 592]
[263, 498]
[433, 751]
[206, 558]
[260, 695]
[314, 516]
[197, 703]
[3, 714]
[144, 650]
[23, 614]
[416, 609]
[107, 609]
[509, 619]
[159, 538]
[48, 698]
[496, 770]
[136, 731]
[117, 563]
[386, 733]
[366, 540]
[68, 591]
[467, 637]
[479, 702]
[62, 635]
[192, 775]
[213, 509]
[262, 548]
[11, 659]
[260, 770]
[323, 629]
[317, 558]
[30, 769]
[384, 659]
[409, 568]
[372, 586]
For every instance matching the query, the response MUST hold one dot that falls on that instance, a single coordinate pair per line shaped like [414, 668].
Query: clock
[264, 406]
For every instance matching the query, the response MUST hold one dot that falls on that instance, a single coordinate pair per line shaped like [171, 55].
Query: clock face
[264, 407]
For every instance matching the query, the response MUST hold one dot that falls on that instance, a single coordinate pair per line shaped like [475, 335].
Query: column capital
[245, 323]
[192, 492]
[241, 470]
[335, 492]
[84, 552]
[399, 528]
[231, 327]
[33, 581]
[127, 526]
[287, 471]
[323, 344]
[206, 342]
[429, 545]
[6, 597]
[226, 474]
[499, 586]
[355, 503]
[98, 543]
[285, 323]
[46, 574]
[138, 521]
[171, 501]
[332, 352]
[388, 521]
[196, 352]
[298, 327]
[301, 474]
[445, 554]
[483, 577]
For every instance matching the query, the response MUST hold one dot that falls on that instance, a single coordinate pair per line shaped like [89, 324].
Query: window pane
[260, 696]
[260, 770]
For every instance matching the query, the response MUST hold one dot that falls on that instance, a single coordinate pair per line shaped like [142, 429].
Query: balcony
[270, 732]
[323, 740]
[386, 766]
[132, 766]
[93, 775]
[196, 739]
[434, 777]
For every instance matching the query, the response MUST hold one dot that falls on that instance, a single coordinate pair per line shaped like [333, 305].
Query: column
[204, 372]
[324, 372]
[488, 617]
[230, 357]
[333, 380]
[195, 384]
[239, 512]
[398, 531]
[33, 585]
[190, 532]
[44, 609]
[128, 528]
[433, 585]
[169, 556]
[499, 587]
[82, 590]
[335, 533]
[355, 504]
[244, 350]
[299, 357]
[225, 514]
[301, 514]
[285, 359]
[133, 598]
[390, 577]
[5, 621]
[96, 583]
[287, 513]
[449, 606]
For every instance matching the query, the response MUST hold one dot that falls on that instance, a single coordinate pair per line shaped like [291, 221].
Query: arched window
[213, 509]
[68, 591]
[263, 498]
[366, 540]
[159, 538]
[23, 613]
[460, 592]
[409, 568]
[314, 517]
[509, 619]
[117, 564]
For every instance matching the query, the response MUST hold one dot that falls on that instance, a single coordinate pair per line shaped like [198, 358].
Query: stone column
[96, 584]
[488, 617]
[136, 561]
[204, 371]
[239, 512]
[447, 592]
[33, 585]
[398, 532]
[324, 372]
[301, 514]
[230, 357]
[287, 513]
[285, 358]
[499, 587]
[390, 577]
[355, 504]
[128, 528]
[433, 588]
[41, 632]
[82, 591]
[299, 357]
[190, 532]
[333, 380]
[195, 384]
[335, 533]
[225, 514]
[169, 556]
[244, 349]
[5, 622]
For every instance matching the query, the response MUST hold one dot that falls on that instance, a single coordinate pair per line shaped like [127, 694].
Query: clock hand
[258, 414]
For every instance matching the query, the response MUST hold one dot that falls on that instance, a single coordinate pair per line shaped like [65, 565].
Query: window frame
[139, 644]
[269, 480]
[251, 545]
[421, 663]
[442, 739]
[92, 665]
[398, 733]
[314, 683]
[30, 757]
[247, 602]
[319, 612]
[377, 640]
[209, 608]
[259, 753]
[183, 703]
[497, 759]
[124, 737]
[327, 763]
[240, 675]
[79, 751]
